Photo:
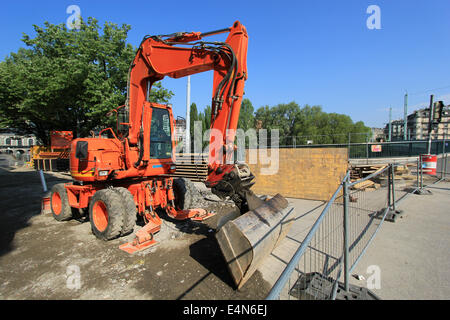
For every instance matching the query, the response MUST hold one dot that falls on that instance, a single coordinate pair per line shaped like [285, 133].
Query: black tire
[59, 203]
[109, 202]
[130, 213]
[186, 194]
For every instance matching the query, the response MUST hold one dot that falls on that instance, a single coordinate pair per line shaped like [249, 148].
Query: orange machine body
[140, 155]
[112, 162]
[109, 159]
[60, 139]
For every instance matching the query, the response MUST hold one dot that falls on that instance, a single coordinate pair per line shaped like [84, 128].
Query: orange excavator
[119, 175]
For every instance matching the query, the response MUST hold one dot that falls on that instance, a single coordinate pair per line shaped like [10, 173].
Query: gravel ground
[40, 257]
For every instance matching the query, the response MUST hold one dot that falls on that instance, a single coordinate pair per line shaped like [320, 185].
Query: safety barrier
[360, 147]
[321, 267]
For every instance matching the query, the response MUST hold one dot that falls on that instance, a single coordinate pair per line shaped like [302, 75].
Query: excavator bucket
[247, 240]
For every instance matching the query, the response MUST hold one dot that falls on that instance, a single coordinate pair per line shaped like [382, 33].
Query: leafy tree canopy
[310, 123]
[68, 79]
[307, 123]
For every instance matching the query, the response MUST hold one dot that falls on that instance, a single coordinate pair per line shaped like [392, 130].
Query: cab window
[160, 135]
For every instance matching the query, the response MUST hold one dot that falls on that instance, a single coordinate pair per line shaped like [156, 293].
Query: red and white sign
[376, 148]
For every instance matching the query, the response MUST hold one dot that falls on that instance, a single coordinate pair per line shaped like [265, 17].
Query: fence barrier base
[391, 215]
[355, 293]
[312, 286]
[423, 192]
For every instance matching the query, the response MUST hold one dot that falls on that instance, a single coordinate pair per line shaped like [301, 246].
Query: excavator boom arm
[177, 56]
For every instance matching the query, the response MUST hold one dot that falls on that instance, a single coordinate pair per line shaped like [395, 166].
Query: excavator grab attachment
[247, 240]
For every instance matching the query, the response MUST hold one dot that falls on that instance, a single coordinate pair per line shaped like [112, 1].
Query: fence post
[389, 187]
[417, 173]
[421, 174]
[44, 185]
[445, 165]
[345, 223]
[444, 159]
[367, 148]
[393, 187]
[349, 138]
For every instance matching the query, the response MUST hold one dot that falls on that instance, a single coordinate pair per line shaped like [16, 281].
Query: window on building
[30, 142]
[8, 141]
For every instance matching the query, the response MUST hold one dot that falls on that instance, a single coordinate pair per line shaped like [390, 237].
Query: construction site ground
[36, 251]
[413, 253]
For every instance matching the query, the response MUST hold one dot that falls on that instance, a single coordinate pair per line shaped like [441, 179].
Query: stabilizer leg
[144, 238]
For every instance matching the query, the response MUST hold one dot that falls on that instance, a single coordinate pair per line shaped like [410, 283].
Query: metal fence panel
[322, 264]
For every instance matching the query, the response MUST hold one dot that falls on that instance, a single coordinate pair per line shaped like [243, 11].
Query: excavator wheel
[186, 194]
[59, 203]
[106, 214]
[129, 215]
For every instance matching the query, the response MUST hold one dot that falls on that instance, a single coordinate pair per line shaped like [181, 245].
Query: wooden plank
[363, 185]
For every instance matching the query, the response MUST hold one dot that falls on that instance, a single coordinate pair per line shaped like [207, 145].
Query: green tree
[67, 79]
[361, 133]
[281, 117]
[205, 117]
[193, 116]
[246, 115]
[310, 123]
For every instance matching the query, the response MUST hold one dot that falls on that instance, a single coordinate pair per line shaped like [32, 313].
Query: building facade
[180, 129]
[378, 135]
[13, 143]
[418, 124]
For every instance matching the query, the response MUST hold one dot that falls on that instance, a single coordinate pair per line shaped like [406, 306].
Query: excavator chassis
[115, 206]
[245, 240]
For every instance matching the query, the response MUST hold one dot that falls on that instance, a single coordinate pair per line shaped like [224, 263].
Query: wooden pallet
[362, 171]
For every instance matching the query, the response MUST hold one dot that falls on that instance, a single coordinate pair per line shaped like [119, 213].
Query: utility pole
[390, 125]
[188, 116]
[405, 125]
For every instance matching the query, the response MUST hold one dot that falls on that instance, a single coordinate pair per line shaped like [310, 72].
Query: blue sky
[311, 52]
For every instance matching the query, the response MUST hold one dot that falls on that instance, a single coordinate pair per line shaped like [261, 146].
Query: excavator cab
[160, 135]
